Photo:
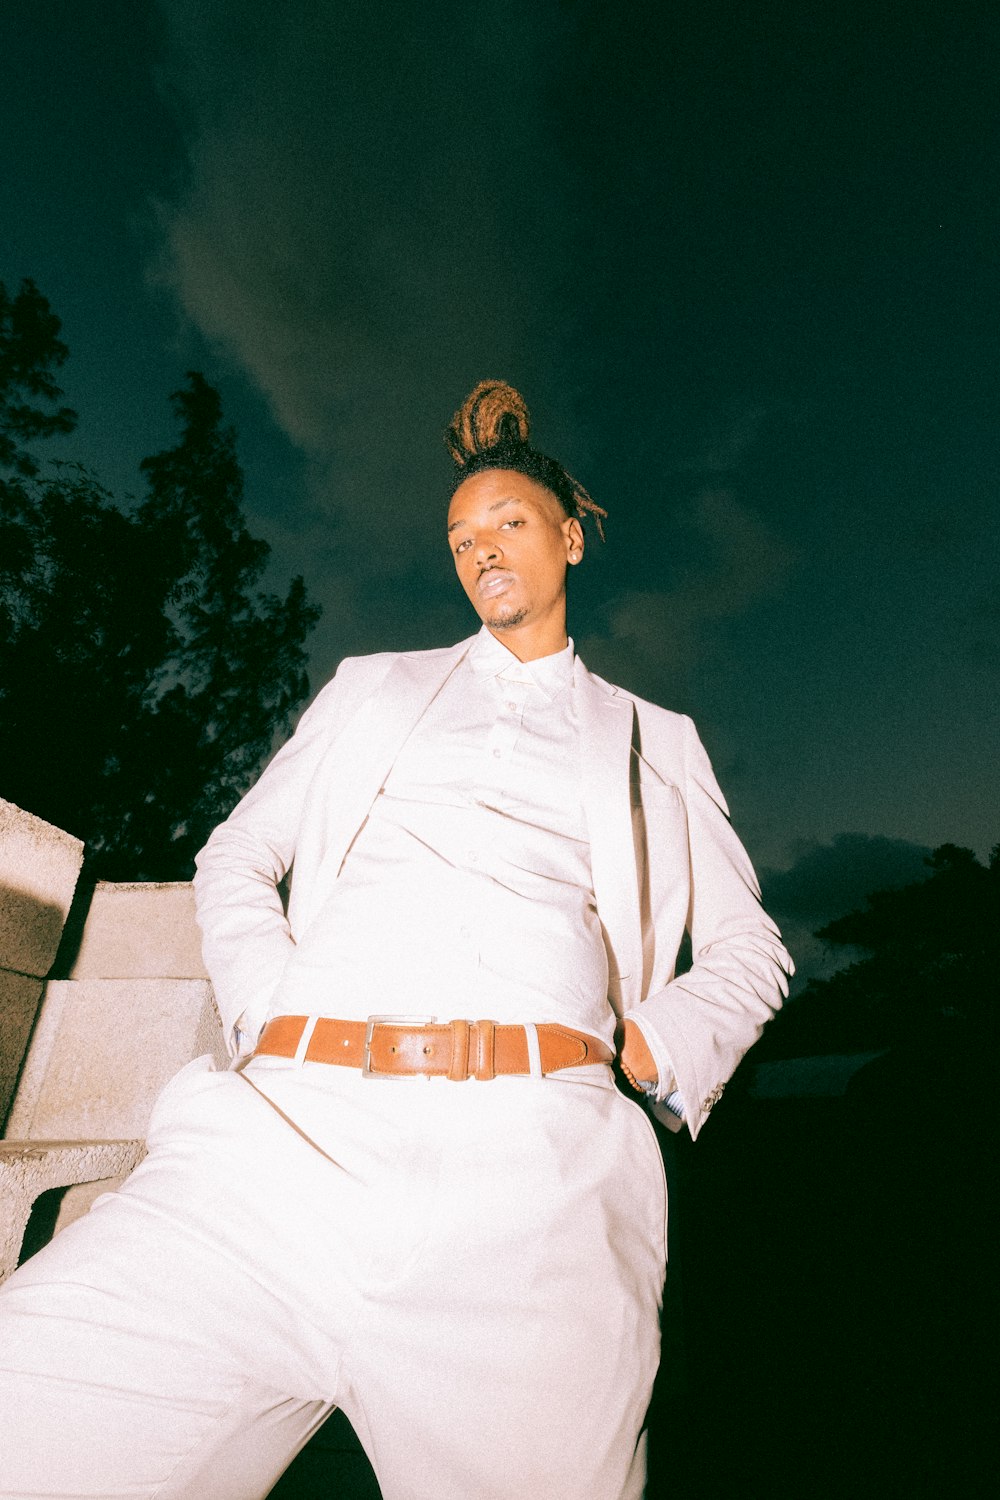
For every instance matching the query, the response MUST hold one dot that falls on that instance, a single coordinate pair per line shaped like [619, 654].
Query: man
[451, 1226]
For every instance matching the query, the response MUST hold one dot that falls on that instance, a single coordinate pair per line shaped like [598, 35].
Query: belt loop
[485, 1067]
[304, 1040]
[458, 1069]
[534, 1050]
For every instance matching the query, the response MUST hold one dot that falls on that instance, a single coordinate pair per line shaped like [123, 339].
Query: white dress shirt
[468, 891]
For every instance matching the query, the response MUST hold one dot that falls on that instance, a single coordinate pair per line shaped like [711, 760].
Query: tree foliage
[143, 671]
[927, 966]
[30, 353]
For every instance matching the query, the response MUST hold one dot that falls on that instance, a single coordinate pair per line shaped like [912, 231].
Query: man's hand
[636, 1058]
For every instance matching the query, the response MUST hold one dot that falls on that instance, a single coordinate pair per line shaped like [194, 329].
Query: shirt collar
[550, 674]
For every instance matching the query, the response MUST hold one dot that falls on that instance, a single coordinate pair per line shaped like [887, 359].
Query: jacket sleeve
[699, 1026]
[246, 939]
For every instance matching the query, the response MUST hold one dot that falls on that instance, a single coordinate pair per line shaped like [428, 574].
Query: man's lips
[493, 581]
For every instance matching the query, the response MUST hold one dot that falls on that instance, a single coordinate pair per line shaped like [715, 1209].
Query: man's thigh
[516, 1357]
[147, 1349]
[211, 1435]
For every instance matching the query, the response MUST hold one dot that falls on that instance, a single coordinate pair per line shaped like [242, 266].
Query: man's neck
[531, 645]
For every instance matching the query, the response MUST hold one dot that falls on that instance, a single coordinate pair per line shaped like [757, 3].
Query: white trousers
[472, 1271]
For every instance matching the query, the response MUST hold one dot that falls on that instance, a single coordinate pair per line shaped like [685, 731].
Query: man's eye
[512, 522]
[462, 546]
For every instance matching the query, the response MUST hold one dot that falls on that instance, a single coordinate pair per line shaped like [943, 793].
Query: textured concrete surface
[28, 1168]
[19, 996]
[97, 1047]
[104, 1048]
[140, 931]
[39, 866]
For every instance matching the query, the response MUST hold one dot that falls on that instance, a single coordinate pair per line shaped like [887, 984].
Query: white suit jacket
[663, 858]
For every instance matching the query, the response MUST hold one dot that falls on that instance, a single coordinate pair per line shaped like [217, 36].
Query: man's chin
[508, 621]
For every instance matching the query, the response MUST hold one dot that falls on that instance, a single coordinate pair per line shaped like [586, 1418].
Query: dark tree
[926, 967]
[30, 351]
[143, 673]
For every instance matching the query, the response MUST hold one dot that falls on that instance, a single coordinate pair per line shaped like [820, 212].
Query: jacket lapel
[412, 683]
[364, 752]
[606, 725]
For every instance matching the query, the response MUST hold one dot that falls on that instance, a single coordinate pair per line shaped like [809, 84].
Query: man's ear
[574, 539]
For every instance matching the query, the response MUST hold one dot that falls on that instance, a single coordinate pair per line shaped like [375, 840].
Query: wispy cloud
[724, 448]
[827, 880]
[362, 228]
[662, 634]
[374, 216]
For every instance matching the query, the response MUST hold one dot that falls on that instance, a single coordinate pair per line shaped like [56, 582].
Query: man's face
[512, 542]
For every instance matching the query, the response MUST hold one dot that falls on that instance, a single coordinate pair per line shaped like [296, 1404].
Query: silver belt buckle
[367, 1071]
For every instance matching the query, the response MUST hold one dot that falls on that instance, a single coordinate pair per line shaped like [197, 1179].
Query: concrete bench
[86, 1055]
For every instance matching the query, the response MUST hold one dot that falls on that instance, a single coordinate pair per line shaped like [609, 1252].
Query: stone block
[39, 866]
[79, 1197]
[19, 997]
[140, 931]
[103, 1049]
[30, 1168]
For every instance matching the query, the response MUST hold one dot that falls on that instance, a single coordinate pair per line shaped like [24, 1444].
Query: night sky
[742, 262]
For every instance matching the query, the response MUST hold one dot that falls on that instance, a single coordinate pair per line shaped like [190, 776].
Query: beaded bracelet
[651, 1090]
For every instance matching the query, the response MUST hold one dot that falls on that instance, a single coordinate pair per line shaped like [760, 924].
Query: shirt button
[512, 706]
[496, 755]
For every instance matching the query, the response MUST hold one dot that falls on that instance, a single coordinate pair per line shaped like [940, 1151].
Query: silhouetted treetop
[929, 965]
[939, 914]
[30, 350]
[143, 670]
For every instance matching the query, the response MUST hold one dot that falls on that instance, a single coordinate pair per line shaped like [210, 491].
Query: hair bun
[492, 414]
[490, 431]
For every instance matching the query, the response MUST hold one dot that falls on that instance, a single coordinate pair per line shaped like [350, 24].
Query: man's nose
[488, 549]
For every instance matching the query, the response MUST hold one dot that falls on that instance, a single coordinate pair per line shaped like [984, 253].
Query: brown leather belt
[404, 1046]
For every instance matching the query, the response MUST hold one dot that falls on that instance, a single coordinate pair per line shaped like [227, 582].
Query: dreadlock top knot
[490, 431]
[493, 415]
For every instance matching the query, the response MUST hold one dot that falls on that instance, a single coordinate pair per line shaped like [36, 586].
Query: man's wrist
[651, 1089]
